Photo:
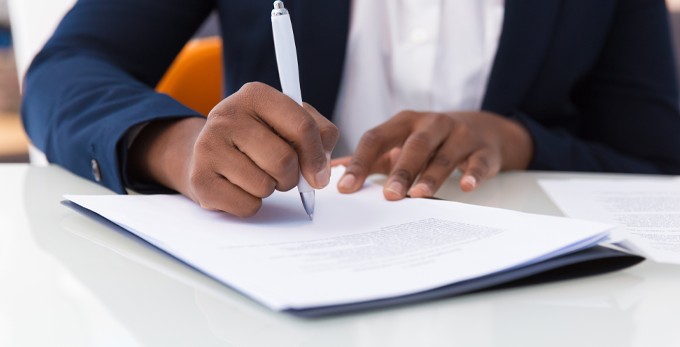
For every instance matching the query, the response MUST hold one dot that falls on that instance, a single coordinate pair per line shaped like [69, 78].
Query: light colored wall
[4, 15]
[33, 22]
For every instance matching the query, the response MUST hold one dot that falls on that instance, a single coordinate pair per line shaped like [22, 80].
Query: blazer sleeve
[628, 104]
[94, 80]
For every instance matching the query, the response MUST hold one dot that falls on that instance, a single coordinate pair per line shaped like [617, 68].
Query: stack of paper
[646, 212]
[359, 247]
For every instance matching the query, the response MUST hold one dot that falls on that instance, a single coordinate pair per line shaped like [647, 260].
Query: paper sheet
[646, 212]
[359, 247]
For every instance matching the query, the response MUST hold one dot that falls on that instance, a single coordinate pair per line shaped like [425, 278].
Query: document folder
[592, 261]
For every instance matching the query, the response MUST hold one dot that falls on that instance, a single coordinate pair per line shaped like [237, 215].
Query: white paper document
[646, 212]
[359, 247]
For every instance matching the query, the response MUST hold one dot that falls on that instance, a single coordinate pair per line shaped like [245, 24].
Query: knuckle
[407, 114]
[371, 138]
[308, 127]
[286, 185]
[265, 187]
[284, 161]
[330, 132]
[228, 112]
[441, 121]
[403, 175]
[310, 108]
[228, 108]
[419, 141]
[251, 88]
[442, 160]
[250, 94]
[247, 208]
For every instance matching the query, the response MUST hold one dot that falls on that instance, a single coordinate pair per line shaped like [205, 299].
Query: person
[417, 89]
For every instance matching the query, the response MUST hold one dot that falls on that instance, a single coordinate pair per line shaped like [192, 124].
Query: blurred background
[13, 139]
[13, 146]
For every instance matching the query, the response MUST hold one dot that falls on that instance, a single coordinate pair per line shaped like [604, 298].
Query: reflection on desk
[114, 289]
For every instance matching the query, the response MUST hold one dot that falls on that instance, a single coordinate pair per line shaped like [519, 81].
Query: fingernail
[396, 188]
[424, 188]
[322, 178]
[347, 182]
[328, 162]
[470, 180]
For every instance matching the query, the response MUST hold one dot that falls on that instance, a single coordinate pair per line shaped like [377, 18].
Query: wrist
[162, 152]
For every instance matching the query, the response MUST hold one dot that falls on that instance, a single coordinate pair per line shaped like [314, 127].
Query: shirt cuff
[134, 132]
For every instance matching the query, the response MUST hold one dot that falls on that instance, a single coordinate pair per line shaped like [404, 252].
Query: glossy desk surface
[67, 281]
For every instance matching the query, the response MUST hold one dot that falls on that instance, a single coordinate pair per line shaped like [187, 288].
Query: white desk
[67, 281]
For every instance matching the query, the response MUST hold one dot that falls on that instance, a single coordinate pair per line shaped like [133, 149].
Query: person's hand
[253, 142]
[432, 145]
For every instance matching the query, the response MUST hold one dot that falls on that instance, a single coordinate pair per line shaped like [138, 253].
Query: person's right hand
[253, 142]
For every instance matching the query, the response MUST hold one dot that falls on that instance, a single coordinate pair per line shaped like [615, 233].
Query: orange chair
[195, 77]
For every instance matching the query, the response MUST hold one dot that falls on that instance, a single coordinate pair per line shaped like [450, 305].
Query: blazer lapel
[321, 30]
[527, 31]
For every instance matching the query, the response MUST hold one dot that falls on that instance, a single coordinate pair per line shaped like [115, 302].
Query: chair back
[195, 77]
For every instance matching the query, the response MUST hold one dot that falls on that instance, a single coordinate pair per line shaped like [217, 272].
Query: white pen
[286, 59]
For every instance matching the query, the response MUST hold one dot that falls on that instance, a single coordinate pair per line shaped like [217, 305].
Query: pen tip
[311, 216]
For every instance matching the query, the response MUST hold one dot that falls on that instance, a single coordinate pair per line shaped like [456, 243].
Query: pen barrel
[286, 57]
[303, 186]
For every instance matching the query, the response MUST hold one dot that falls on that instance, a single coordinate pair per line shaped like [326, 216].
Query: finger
[480, 166]
[241, 171]
[386, 163]
[288, 119]
[462, 167]
[373, 144]
[344, 161]
[214, 192]
[328, 131]
[445, 160]
[383, 166]
[417, 151]
[265, 149]
[223, 157]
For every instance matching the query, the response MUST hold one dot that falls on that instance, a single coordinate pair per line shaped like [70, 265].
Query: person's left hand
[432, 145]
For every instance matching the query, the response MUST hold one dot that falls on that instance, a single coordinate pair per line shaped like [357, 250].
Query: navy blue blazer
[593, 81]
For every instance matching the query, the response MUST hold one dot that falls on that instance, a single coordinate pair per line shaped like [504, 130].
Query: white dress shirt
[422, 55]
